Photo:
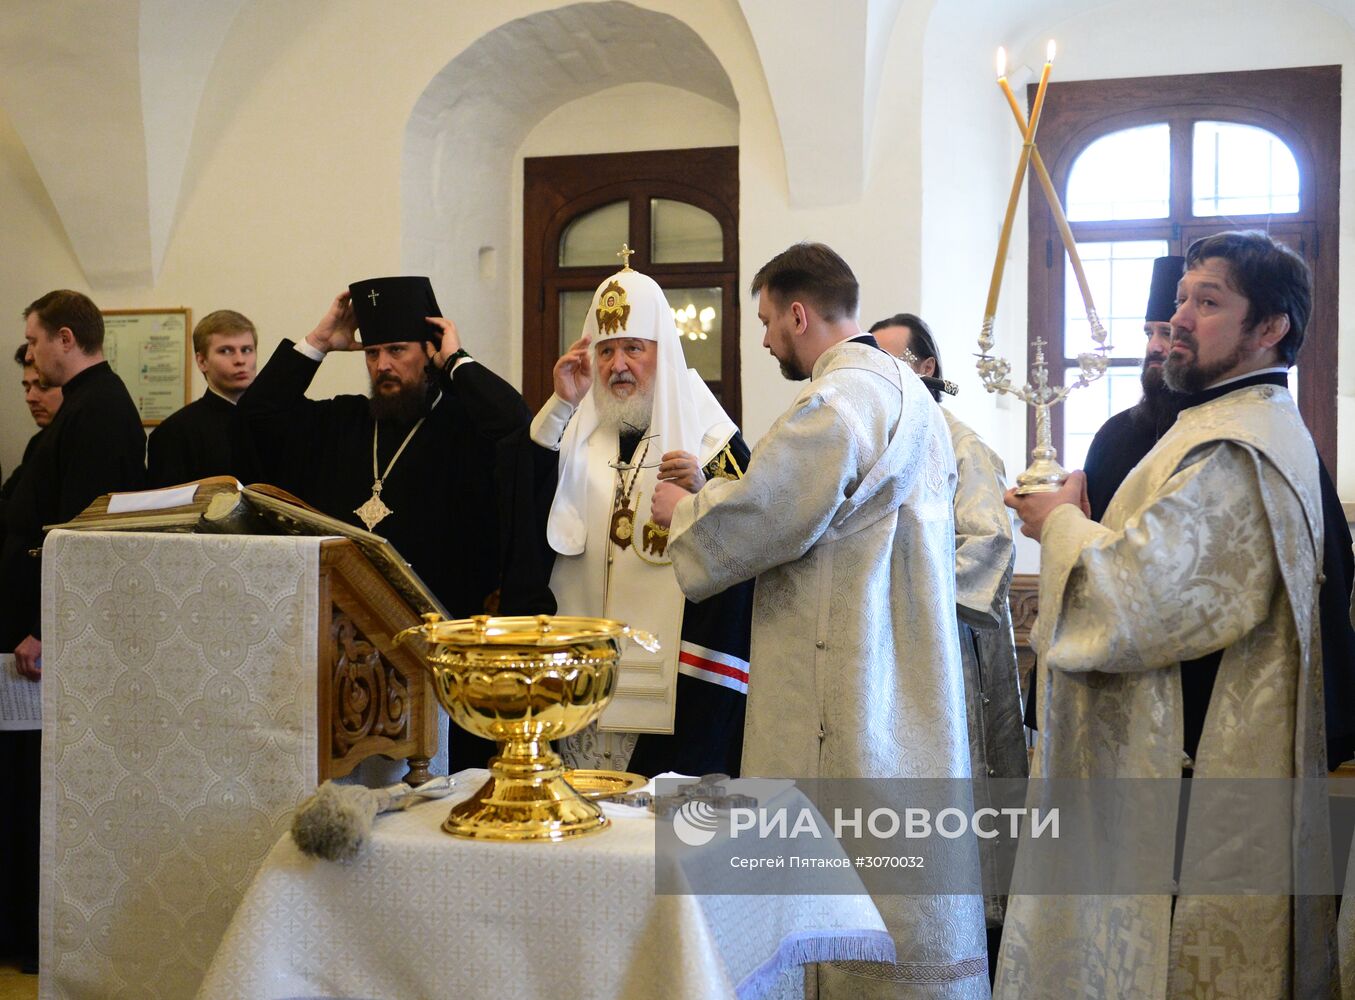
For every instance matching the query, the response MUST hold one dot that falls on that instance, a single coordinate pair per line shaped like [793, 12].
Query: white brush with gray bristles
[335, 822]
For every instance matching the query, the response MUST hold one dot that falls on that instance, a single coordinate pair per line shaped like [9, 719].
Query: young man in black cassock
[415, 462]
[93, 445]
[201, 439]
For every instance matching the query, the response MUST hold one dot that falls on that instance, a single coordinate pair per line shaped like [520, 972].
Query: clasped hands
[680, 475]
[338, 331]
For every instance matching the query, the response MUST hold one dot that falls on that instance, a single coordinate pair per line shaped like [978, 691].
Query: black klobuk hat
[1167, 273]
[393, 309]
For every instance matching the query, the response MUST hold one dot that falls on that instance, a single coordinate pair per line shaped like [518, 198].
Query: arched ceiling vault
[104, 94]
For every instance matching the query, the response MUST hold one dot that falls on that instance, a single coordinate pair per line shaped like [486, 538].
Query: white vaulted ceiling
[104, 94]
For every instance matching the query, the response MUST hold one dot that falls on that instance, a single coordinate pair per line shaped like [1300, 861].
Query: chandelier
[692, 324]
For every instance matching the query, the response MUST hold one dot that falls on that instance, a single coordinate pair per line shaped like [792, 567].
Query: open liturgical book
[222, 505]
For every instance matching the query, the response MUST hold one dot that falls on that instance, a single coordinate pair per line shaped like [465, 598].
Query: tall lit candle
[1051, 196]
[1007, 90]
[1005, 237]
[1004, 240]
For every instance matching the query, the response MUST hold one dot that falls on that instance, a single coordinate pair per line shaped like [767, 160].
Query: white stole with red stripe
[713, 666]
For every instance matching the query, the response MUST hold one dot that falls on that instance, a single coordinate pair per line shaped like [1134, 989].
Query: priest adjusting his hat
[415, 462]
[626, 413]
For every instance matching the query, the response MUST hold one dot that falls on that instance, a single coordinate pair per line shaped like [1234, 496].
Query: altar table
[423, 914]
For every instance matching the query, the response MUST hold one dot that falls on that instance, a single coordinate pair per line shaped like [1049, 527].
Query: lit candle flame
[1001, 62]
[1049, 51]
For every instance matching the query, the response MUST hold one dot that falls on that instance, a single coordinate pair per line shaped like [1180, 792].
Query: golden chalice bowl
[523, 682]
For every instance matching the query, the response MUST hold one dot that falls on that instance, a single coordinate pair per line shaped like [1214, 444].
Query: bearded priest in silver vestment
[845, 519]
[985, 556]
[626, 414]
[1207, 560]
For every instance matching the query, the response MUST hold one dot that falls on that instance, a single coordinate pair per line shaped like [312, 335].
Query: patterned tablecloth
[422, 914]
[179, 700]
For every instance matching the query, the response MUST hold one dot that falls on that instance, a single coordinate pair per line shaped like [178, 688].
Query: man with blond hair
[200, 440]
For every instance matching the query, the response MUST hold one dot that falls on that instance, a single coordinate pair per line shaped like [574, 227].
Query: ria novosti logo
[695, 823]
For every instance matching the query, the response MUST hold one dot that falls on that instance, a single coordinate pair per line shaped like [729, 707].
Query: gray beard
[632, 413]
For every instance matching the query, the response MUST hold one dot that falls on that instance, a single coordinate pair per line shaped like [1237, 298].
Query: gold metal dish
[524, 681]
[593, 784]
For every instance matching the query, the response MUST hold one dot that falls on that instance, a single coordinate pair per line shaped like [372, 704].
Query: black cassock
[12, 480]
[94, 445]
[442, 492]
[198, 441]
[445, 516]
[1118, 446]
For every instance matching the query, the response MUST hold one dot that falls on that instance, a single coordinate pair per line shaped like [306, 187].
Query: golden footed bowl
[524, 681]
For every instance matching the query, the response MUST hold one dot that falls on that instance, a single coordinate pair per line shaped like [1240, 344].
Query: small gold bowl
[524, 681]
[594, 784]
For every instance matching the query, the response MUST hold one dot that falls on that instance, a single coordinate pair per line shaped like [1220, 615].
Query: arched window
[1148, 166]
[677, 209]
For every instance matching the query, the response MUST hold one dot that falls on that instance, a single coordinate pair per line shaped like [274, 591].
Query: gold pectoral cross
[374, 511]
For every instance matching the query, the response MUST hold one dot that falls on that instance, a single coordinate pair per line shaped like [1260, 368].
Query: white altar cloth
[179, 708]
[422, 914]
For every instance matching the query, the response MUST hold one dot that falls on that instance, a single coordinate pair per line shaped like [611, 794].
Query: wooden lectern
[197, 688]
[373, 697]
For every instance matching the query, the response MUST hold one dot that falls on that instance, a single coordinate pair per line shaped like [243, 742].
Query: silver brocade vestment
[985, 557]
[1213, 541]
[845, 518]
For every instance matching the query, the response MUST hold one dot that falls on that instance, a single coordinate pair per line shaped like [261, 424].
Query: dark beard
[402, 407]
[1191, 377]
[790, 373]
[1160, 407]
[1152, 382]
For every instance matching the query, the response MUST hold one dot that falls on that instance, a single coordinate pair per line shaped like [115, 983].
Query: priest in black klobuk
[1129, 435]
[415, 462]
[626, 413]
[201, 439]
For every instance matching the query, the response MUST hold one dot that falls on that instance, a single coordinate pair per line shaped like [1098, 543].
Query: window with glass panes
[676, 209]
[1146, 167]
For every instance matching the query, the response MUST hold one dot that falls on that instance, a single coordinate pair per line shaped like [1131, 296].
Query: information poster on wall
[150, 349]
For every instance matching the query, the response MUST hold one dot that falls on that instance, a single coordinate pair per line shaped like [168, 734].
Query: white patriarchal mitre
[628, 577]
[686, 417]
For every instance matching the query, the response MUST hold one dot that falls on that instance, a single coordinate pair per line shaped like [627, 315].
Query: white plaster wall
[38, 257]
[294, 178]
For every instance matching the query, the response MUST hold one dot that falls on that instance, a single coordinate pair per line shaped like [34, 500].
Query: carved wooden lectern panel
[371, 697]
[374, 697]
